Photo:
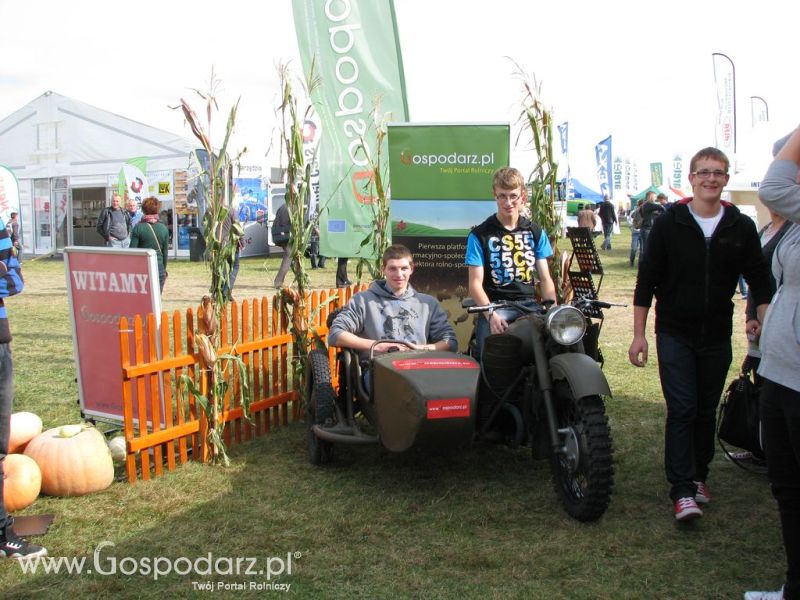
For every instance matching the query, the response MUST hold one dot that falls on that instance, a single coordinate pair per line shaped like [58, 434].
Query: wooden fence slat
[140, 392]
[163, 351]
[127, 399]
[155, 394]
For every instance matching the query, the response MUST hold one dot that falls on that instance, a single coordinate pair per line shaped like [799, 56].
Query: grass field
[483, 523]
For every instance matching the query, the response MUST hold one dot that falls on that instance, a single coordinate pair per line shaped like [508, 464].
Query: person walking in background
[636, 240]
[114, 224]
[153, 234]
[134, 213]
[586, 217]
[13, 230]
[692, 261]
[780, 359]
[317, 261]
[341, 272]
[281, 231]
[608, 216]
[11, 545]
[648, 212]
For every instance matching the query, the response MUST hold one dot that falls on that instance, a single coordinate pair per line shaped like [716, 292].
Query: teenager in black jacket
[695, 253]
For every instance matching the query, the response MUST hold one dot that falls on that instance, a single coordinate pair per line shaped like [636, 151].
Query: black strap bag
[738, 422]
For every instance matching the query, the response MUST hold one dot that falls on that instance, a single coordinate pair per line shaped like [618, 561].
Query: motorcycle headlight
[566, 325]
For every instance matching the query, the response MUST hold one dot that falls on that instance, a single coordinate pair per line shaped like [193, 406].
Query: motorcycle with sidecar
[539, 384]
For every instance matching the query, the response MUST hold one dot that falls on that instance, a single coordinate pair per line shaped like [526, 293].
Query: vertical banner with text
[603, 155]
[441, 182]
[725, 81]
[355, 47]
[656, 174]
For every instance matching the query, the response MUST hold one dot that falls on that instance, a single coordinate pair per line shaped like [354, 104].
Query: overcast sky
[639, 71]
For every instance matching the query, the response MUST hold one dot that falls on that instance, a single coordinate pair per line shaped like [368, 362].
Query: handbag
[739, 422]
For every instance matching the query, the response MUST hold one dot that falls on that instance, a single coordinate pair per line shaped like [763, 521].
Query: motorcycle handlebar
[471, 307]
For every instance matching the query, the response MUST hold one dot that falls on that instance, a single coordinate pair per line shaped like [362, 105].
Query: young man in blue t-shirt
[503, 252]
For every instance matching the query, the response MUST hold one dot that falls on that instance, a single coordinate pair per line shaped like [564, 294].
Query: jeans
[341, 272]
[284, 268]
[636, 244]
[317, 261]
[780, 415]
[692, 380]
[115, 243]
[6, 401]
[608, 230]
[644, 233]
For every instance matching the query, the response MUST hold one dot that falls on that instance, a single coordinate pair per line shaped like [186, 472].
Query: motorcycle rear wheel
[320, 398]
[583, 476]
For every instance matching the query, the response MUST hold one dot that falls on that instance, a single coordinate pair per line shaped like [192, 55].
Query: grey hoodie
[378, 314]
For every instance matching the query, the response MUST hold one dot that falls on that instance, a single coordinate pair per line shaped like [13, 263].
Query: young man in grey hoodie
[392, 309]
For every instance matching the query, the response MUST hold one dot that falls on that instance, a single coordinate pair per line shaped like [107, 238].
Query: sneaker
[13, 546]
[702, 495]
[686, 509]
[764, 595]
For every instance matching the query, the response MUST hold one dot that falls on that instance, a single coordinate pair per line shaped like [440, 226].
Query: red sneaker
[702, 495]
[686, 509]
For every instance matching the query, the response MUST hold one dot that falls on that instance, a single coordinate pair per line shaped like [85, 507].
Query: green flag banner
[357, 52]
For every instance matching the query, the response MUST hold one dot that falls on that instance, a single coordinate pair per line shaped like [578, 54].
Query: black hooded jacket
[694, 279]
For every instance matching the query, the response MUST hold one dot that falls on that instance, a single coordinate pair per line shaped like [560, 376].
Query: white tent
[58, 148]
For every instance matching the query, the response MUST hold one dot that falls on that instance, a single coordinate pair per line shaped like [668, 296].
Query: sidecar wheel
[584, 475]
[320, 398]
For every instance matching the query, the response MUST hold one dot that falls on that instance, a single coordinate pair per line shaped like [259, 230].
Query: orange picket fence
[163, 425]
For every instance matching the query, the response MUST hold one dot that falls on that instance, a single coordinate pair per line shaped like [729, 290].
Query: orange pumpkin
[24, 427]
[22, 481]
[74, 460]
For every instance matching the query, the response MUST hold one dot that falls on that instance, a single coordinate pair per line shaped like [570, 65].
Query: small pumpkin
[24, 427]
[74, 460]
[118, 449]
[22, 481]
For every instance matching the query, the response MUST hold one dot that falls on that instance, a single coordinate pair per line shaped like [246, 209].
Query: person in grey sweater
[392, 309]
[780, 359]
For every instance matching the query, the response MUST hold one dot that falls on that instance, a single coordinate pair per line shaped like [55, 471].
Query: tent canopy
[582, 192]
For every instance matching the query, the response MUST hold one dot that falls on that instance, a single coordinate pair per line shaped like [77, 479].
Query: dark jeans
[636, 244]
[6, 402]
[780, 415]
[608, 230]
[317, 261]
[644, 233]
[162, 276]
[341, 272]
[692, 380]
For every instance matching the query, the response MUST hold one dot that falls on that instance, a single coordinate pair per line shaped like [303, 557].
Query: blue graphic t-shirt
[508, 257]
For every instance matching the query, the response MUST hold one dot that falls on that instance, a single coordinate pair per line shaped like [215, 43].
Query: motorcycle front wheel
[583, 475]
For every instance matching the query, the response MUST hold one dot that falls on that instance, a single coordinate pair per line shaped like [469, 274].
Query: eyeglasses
[705, 174]
[511, 197]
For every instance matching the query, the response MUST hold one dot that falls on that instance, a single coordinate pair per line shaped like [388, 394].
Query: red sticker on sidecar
[448, 408]
[408, 364]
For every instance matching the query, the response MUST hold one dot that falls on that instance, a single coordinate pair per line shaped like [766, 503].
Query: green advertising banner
[441, 183]
[357, 52]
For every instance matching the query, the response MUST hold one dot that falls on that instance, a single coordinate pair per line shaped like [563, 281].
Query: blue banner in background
[603, 154]
[563, 134]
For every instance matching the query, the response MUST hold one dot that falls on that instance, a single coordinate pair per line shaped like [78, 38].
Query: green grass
[482, 523]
